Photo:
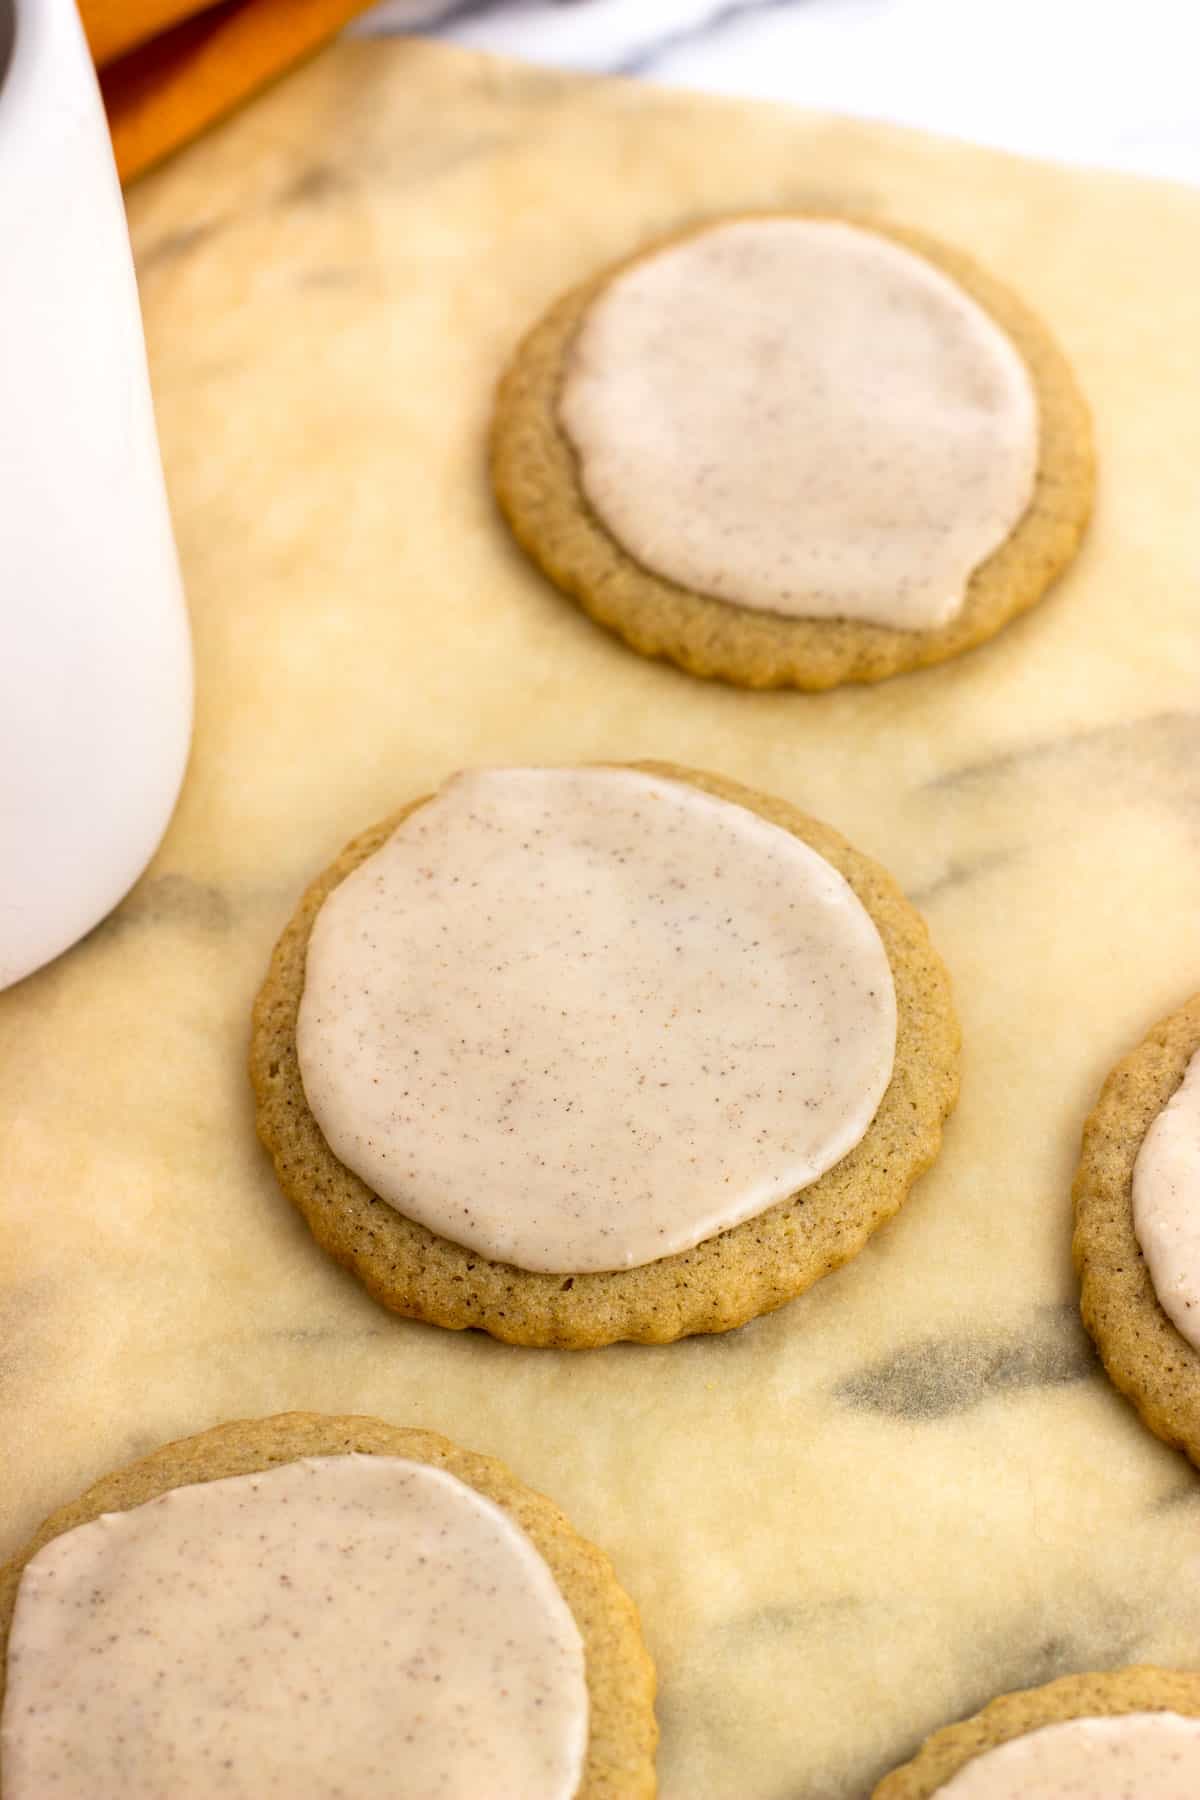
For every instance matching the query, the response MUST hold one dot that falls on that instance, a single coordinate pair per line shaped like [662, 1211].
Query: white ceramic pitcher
[95, 660]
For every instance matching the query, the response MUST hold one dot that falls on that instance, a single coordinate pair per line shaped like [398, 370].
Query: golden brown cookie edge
[535, 476]
[721, 1283]
[623, 1733]
[1146, 1358]
[1105, 1695]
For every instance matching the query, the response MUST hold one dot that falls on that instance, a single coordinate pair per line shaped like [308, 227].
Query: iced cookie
[790, 450]
[1085, 1737]
[312, 1606]
[575, 1055]
[1137, 1227]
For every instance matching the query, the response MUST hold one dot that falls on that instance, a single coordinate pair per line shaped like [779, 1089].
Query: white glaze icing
[1166, 1204]
[578, 1019]
[803, 417]
[1139, 1756]
[344, 1626]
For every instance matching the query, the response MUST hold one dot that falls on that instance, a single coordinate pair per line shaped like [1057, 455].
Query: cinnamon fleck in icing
[344, 1626]
[803, 417]
[579, 1019]
[1136, 1756]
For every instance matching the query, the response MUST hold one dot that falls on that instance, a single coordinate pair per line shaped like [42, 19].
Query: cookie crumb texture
[1104, 1696]
[720, 1283]
[622, 1734]
[535, 472]
[1143, 1353]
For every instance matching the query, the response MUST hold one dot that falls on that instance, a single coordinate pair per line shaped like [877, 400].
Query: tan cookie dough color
[1133, 1734]
[793, 450]
[580, 1054]
[1166, 1204]
[376, 1614]
[1137, 1227]
[579, 1019]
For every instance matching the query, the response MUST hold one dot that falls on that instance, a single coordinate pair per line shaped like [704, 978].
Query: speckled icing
[1166, 1204]
[578, 1019]
[802, 416]
[341, 1626]
[1140, 1756]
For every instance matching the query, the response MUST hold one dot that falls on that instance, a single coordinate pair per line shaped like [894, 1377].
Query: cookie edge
[1117, 1300]
[535, 479]
[1107, 1695]
[622, 1733]
[688, 1294]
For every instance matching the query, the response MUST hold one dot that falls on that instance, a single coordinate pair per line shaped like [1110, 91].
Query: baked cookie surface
[721, 1282]
[1144, 1354]
[535, 472]
[1103, 1696]
[622, 1733]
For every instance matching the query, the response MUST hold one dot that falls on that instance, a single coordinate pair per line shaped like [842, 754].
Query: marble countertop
[858, 1518]
[1087, 81]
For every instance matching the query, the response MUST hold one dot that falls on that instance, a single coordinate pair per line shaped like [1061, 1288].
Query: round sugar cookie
[1144, 1354]
[536, 473]
[1105, 1696]
[720, 1282]
[621, 1731]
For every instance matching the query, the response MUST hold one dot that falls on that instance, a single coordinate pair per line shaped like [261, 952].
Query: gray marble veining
[857, 1518]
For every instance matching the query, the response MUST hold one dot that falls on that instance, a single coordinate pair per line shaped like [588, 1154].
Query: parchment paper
[855, 1520]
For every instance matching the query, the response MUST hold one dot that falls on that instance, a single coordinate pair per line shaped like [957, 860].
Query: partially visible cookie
[538, 481]
[716, 1285]
[1143, 1352]
[622, 1735]
[1104, 1696]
